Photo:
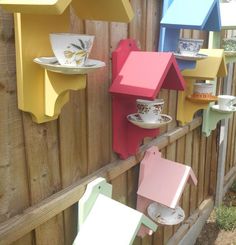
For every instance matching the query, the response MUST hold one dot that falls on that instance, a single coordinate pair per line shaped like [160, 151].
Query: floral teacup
[71, 49]
[189, 46]
[149, 110]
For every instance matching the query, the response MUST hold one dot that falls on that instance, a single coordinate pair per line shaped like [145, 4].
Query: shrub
[233, 187]
[226, 218]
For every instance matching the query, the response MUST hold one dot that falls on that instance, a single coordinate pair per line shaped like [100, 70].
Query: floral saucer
[51, 64]
[217, 108]
[136, 120]
[165, 215]
[190, 57]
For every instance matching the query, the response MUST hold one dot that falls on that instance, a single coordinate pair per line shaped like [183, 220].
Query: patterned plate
[51, 64]
[165, 215]
[136, 120]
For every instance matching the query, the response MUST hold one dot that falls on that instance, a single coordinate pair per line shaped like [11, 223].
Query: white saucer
[51, 64]
[216, 108]
[190, 57]
[136, 120]
[230, 53]
[165, 215]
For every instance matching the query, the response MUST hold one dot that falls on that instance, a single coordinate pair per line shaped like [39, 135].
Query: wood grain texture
[195, 166]
[14, 191]
[43, 211]
[44, 176]
[98, 100]
[48, 166]
[73, 139]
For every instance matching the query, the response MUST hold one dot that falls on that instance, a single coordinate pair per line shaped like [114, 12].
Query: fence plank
[98, 100]
[14, 192]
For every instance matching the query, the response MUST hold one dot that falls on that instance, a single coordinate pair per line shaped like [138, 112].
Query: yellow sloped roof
[210, 68]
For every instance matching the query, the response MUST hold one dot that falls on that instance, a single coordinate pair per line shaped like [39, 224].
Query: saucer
[190, 57]
[51, 64]
[230, 53]
[136, 120]
[165, 215]
[216, 108]
[202, 100]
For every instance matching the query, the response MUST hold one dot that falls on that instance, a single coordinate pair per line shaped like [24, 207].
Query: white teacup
[225, 102]
[203, 90]
[149, 110]
[71, 49]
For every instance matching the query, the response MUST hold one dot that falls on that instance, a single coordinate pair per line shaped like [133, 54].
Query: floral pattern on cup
[189, 46]
[71, 49]
[78, 52]
[149, 110]
[229, 44]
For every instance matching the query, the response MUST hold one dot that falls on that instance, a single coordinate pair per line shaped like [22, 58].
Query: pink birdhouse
[137, 74]
[162, 181]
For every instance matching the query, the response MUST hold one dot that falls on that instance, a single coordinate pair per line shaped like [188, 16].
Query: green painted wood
[105, 221]
[230, 59]
[96, 187]
[211, 118]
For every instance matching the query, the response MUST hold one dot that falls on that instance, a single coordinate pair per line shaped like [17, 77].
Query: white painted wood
[223, 144]
[227, 12]
[106, 221]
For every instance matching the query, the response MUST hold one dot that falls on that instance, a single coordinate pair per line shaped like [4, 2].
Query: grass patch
[226, 218]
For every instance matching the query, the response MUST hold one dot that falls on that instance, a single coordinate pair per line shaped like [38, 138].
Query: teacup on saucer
[149, 110]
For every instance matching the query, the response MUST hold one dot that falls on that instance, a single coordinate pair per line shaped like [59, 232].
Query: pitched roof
[194, 14]
[210, 68]
[144, 73]
[227, 11]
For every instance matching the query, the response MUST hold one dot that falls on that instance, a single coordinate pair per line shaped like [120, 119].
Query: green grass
[226, 218]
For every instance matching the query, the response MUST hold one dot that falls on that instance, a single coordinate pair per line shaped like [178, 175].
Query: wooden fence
[44, 168]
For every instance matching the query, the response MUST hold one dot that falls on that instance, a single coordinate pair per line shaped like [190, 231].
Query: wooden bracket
[107, 10]
[109, 221]
[135, 75]
[56, 90]
[211, 118]
[201, 15]
[162, 181]
[207, 69]
[186, 108]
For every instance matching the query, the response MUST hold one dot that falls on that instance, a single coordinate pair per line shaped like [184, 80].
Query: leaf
[78, 62]
[76, 46]
[82, 44]
[68, 54]
[81, 53]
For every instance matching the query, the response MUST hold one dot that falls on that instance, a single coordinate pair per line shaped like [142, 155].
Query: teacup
[225, 102]
[71, 49]
[149, 110]
[203, 90]
[229, 44]
[189, 47]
